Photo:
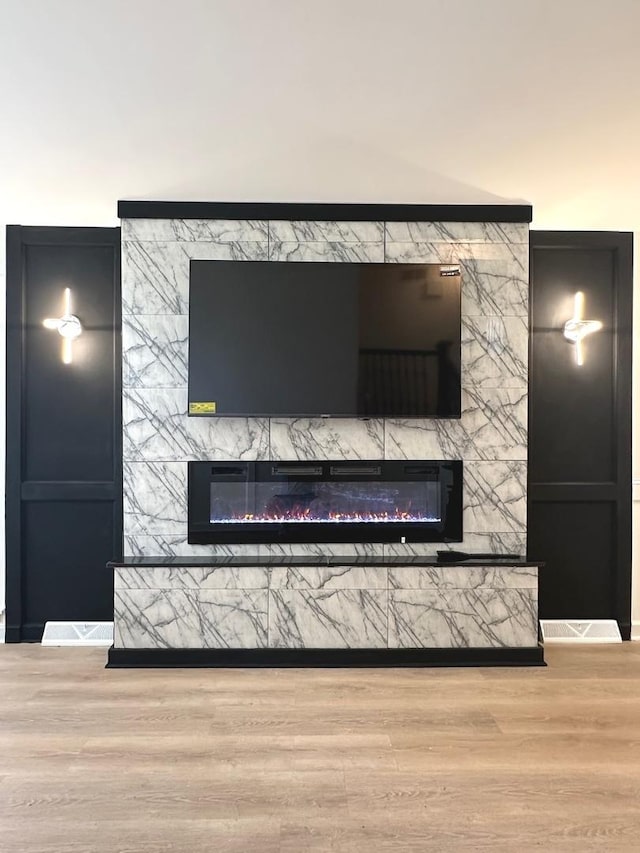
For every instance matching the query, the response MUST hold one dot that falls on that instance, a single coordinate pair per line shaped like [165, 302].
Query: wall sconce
[68, 327]
[576, 329]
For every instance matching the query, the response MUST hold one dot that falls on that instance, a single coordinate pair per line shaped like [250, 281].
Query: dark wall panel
[67, 566]
[572, 435]
[575, 539]
[579, 515]
[68, 411]
[64, 455]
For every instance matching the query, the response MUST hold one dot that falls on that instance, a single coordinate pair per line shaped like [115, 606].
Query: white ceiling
[340, 100]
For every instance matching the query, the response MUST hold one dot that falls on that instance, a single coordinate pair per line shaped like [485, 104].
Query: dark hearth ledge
[246, 562]
[324, 658]
[325, 212]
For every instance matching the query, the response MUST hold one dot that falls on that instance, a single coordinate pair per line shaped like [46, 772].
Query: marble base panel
[328, 619]
[452, 618]
[332, 607]
[190, 618]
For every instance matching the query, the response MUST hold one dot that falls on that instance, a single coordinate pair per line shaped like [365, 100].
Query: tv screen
[296, 339]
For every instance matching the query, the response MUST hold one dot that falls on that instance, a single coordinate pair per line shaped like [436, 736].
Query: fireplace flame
[305, 515]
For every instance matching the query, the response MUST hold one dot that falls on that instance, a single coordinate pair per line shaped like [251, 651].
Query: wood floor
[95, 760]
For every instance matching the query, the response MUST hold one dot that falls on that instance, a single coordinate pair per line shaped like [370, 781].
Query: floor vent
[78, 634]
[580, 631]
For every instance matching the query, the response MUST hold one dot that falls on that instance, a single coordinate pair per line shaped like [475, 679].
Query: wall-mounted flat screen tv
[308, 339]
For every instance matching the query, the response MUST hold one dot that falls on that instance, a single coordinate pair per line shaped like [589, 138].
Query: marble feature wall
[373, 607]
[159, 438]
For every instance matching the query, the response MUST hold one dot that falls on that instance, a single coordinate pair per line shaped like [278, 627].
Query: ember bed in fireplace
[361, 501]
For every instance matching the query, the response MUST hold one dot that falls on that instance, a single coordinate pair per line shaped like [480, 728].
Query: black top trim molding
[329, 212]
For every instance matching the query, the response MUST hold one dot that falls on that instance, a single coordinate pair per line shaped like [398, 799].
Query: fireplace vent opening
[269, 502]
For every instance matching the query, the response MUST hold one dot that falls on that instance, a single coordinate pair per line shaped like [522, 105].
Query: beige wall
[345, 100]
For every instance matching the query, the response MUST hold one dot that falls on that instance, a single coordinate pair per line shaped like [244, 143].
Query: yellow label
[202, 408]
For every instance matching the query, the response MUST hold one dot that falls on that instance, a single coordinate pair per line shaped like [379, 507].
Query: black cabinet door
[64, 481]
[580, 426]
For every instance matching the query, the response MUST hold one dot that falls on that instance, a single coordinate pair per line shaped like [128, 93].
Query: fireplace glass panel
[302, 502]
[325, 501]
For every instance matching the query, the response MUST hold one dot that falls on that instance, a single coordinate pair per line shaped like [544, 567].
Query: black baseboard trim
[12, 634]
[322, 658]
[28, 633]
[319, 211]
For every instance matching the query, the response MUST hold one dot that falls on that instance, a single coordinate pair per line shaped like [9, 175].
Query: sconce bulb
[576, 329]
[68, 327]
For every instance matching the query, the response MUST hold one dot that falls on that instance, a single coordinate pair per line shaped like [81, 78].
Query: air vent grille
[356, 470]
[229, 470]
[297, 470]
[580, 631]
[78, 634]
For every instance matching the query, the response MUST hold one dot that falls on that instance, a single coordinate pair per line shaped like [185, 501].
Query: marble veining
[330, 577]
[155, 275]
[304, 231]
[463, 577]
[515, 254]
[493, 426]
[155, 351]
[495, 352]
[324, 549]
[457, 232]
[339, 252]
[156, 427]
[195, 230]
[495, 497]
[494, 288]
[480, 618]
[176, 545]
[328, 619]
[192, 577]
[326, 438]
[190, 619]
[154, 497]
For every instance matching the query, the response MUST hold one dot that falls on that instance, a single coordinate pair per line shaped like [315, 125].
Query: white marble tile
[339, 252]
[190, 619]
[494, 288]
[494, 497]
[328, 577]
[457, 232]
[483, 618]
[479, 543]
[495, 352]
[305, 231]
[156, 427]
[349, 619]
[176, 545]
[191, 577]
[326, 438]
[463, 577]
[515, 254]
[195, 230]
[155, 276]
[154, 497]
[324, 549]
[155, 351]
[493, 426]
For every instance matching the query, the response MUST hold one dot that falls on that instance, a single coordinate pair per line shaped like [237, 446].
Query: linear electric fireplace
[265, 502]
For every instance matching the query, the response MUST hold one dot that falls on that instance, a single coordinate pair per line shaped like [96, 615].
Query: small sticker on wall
[202, 408]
